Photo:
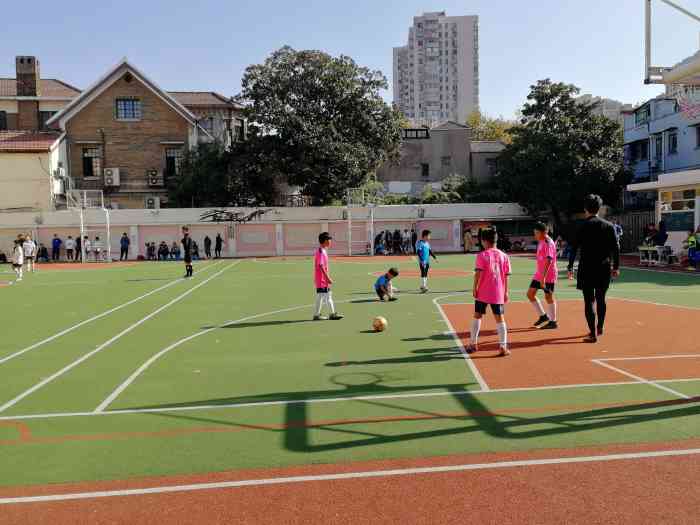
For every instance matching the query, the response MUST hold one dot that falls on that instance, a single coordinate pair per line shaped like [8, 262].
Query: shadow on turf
[260, 324]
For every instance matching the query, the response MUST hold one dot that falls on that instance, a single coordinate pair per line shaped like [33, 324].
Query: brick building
[220, 116]
[125, 135]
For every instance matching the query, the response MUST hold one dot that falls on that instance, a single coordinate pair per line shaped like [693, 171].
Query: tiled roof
[486, 146]
[50, 87]
[201, 98]
[26, 141]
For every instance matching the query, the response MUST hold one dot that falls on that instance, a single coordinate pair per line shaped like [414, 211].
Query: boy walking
[544, 279]
[490, 289]
[424, 254]
[383, 286]
[187, 251]
[322, 279]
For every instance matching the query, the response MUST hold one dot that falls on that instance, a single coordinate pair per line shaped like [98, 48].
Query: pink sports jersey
[494, 266]
[321, 261]
[546, 250]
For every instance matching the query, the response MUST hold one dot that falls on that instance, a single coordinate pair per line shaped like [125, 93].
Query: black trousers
[124, 254]
[597, 296]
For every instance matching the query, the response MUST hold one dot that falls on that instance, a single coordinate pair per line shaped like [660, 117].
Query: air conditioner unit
[152, 203]
[154, 178]
[111, 176]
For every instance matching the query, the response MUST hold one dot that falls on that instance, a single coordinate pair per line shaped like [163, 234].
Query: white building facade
[436, 74]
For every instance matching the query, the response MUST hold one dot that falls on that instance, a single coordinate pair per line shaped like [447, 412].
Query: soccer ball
[379, 324]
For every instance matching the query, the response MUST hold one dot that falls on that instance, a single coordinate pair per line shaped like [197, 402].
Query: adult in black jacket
[187, 250]
[599, 262]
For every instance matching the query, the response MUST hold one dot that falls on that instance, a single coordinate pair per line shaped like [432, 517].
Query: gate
[633, 224]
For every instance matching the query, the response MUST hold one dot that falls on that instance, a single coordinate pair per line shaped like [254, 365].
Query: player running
[490, 289]
[544, 279]
[424, 254]
[322, 279]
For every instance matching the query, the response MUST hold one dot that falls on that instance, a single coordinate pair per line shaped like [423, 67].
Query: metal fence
[633, 224]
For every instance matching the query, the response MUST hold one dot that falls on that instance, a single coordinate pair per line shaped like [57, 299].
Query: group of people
[596, 240]
[73, 249]
[395, 243]
[174, 252]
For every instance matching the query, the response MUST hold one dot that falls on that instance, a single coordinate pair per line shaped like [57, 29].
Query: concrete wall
[281, 231]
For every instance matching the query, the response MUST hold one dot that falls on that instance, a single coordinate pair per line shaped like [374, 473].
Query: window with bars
[672, 143]
[3, 120]
[44, 116]
[128, 109]
[92, 162]
[173, 158]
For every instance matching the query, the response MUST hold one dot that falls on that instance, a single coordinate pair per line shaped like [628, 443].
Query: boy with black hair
[187, 249]
[600, 261]
[490, 289]
[383, 286]
[424, 253]
[322, 279]
[544, 279]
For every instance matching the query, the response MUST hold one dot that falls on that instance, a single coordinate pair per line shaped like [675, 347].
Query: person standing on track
[187, 250]
[599, 262]
[124, 243]
[218, 245]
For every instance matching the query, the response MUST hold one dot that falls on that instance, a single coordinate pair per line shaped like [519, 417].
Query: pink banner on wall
[300, 239]
[255, 239]
[339, 232]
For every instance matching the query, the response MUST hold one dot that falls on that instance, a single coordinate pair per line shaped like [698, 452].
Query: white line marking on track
[640, 301]
[104, 345]
[352, 475]
[91, 319]
[640, 379]
[671, 356]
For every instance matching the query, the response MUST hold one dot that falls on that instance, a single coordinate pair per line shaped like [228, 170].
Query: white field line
[470, 362]
[353, 475]
[104, 345]
[640, 379]
[91, 319]
[672, 356]
[638, 269]
[258, 404]
[655, 304]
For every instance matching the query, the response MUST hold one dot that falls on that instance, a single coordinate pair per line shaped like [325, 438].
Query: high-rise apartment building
[436, 75]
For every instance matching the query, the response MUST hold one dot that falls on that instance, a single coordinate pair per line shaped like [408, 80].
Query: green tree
[324, 123]
[560, 152]
[489, 128]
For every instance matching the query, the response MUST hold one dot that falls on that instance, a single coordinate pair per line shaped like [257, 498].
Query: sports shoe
[551, 325]
[543, 319]
[504, 352]
[392, 299]
[590, 338]
[470, 349]
[600, 332]
[320, 318]
[336, 317]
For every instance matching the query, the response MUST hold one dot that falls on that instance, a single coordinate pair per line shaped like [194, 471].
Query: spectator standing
[70, 248]
[124, 243]
[195, 250]
[98, 248]
[218, 245]
[207, 247]
[87, 248]
[174, 255]
[56, 248]
[42, 254]
[414, 239]
[78, 249]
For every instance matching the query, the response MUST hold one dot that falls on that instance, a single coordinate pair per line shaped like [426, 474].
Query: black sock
[589, 299]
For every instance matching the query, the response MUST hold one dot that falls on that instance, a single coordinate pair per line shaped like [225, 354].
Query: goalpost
[358, 198]
[82, 200]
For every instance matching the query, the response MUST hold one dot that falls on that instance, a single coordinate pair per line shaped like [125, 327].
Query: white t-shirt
[29, 247]
[18, 255]
[70, 244]
[87, 244]
[97, 246]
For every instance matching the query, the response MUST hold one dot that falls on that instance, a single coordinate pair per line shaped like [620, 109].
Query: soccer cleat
[470, 349]
[600, 332]
[504, 352]
[590, 338]
[551, 325]
[392, 299]
[336, 317]
[320, 318]
[543, 319]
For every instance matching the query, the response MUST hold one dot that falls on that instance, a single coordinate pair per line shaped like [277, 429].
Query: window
[239, 129]
[128, 109]
[3, 120]
[642, 115]
[644, 150]
[425, 170]
[697, 135]
[173, 157]
[659, 147]
[207, 123]
[492, 166]
[92, 162]
[44, 116]
[446, 161]
[678, 200]
[673, 143]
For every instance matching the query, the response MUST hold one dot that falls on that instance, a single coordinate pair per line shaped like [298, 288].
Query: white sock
[319, 304]
[552, 312]
[537, 305]
[329, 301]
[474, 334]
[424, 282]
[502, 334]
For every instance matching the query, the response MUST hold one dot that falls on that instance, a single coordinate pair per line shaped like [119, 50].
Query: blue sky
[206, 45]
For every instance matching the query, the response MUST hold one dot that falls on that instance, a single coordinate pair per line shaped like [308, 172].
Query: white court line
[91, 319]
[352, 475]
[470, 362]
[672, 356]
[668, 272]
[104, 345]
[257, 404]
[641, 379]
[641, 301]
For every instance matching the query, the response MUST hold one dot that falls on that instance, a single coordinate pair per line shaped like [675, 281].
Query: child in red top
[490, 288]
[322, 279]
[545, 278]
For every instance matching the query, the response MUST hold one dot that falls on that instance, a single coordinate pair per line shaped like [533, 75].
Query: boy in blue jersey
[383, 285]
[424, 254]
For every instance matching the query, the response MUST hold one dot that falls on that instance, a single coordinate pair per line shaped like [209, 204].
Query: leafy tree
[489, 128]
[561, 152]
[322, 119]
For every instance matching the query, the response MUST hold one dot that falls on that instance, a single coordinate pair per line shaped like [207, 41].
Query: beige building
[607, 107]
[428, 156]
[436, 74]
[28, 171]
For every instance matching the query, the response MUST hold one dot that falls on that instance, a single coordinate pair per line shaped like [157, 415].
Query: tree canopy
[489, 128]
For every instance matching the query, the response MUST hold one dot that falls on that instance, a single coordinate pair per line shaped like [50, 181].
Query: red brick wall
[28, 115]
[133, 147]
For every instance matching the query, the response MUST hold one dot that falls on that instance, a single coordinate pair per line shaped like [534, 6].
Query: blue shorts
[497, 309]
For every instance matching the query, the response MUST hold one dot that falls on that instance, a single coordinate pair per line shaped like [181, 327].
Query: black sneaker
[392, 299]
[551, 325]
[600, 332]
[543, 319]
[336, 317]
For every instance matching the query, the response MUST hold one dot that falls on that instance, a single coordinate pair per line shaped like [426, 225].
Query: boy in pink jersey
[322, 279]
[490, 288]
[545, 278]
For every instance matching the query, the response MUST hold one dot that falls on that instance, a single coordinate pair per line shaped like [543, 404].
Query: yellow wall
[24, 181]
[8, 105]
